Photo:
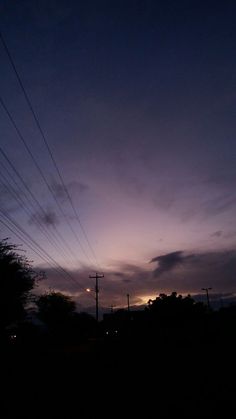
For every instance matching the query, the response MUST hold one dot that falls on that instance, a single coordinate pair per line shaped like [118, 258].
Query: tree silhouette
[175, 305]
[64, 324]
[177, 314]
[55, 309]
[17, 279]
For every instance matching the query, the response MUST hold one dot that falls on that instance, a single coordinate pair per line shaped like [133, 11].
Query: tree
[17, 279]
[55, 309]
[175, 305]
[175, 310]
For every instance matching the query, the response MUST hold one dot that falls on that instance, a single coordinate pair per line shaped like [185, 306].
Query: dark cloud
[48, 218]
[167, 262]
[223, 234]
[129, 268]
[209, 269]
[113, 287]
[217, 233]
[74, 188]
[176, 271]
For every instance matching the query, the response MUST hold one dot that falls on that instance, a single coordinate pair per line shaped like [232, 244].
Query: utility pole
[207, 295]
[128, 303]
[96, 276]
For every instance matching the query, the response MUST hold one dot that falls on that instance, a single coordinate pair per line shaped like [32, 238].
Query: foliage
[55, 308]
[17, 279]
[175, 308]
[173, 302]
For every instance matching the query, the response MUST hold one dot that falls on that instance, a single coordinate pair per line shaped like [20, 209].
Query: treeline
[173, 319]
[51, 319]
[25, 318]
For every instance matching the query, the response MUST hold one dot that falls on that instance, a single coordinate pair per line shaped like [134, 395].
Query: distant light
[116, 331]
[107, 333]
[13, 337]
[88, 289]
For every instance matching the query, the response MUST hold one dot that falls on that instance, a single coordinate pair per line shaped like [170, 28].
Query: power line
[33, 196]
[51, 262]
[23, 240]
[33, 203]
[46, 144]
[10, 189]
[42, 174]
[17, 234]
[28, 202]
[40, 250]
[6, 184]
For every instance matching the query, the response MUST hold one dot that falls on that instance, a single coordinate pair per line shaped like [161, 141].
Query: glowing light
[145, 298]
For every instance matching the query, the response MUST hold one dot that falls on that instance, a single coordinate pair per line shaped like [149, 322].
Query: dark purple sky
[137, 102]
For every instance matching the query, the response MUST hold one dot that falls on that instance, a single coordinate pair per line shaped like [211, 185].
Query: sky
[136, 101]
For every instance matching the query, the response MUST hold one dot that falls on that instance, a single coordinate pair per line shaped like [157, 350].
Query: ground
[113, 378]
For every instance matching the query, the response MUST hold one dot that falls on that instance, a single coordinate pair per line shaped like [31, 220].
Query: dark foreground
[118, 378]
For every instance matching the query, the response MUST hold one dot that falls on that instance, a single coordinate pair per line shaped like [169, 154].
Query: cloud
[167, 262]
[217, 233]
[224, 234]
[209, 269]
[181, 272]
[48, 218]
[219, 204]
[114, 287]
[73, 188]
[176, 271]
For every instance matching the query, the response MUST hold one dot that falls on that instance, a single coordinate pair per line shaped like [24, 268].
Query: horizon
[123, 159]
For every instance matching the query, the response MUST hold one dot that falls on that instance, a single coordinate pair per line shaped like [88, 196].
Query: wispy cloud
[220, 204]
[48, 218]
[218, 233]
[74, 188]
